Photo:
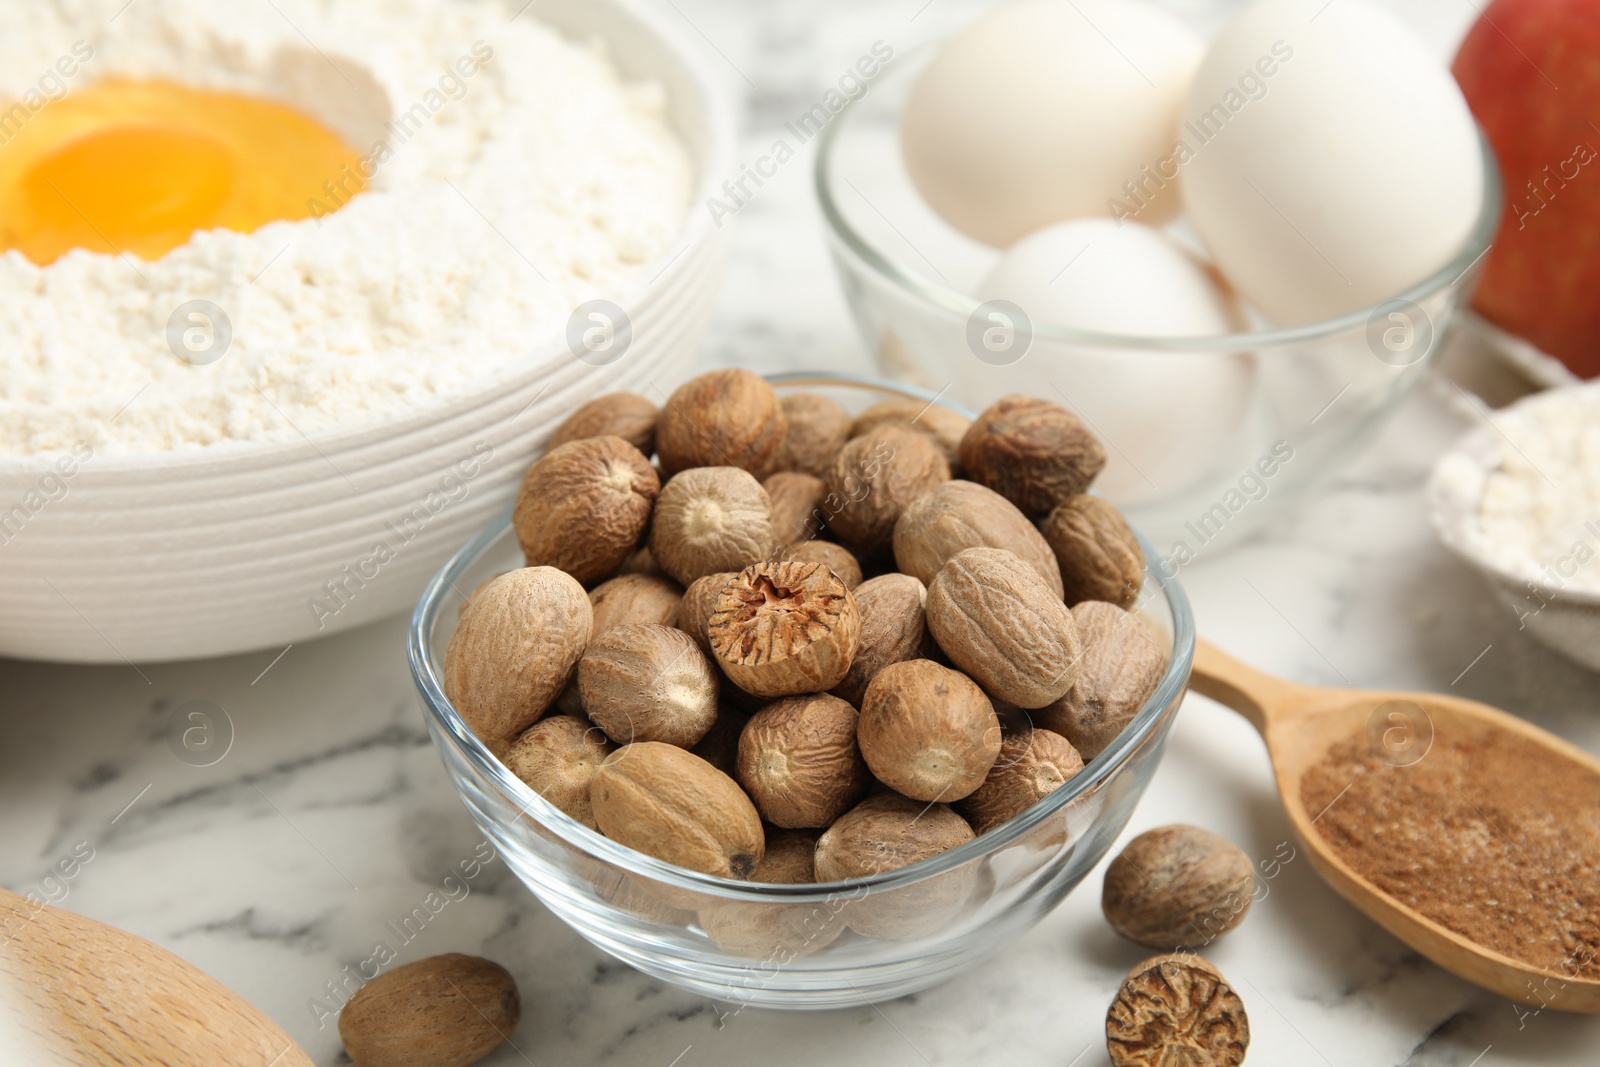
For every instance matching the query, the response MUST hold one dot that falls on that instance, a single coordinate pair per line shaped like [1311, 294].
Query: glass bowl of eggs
[1232, 260]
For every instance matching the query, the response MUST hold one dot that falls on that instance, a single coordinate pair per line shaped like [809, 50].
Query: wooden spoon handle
[1256, 696]
[89, 994]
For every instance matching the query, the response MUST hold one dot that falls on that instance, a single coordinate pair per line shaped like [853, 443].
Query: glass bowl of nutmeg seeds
[830, 772]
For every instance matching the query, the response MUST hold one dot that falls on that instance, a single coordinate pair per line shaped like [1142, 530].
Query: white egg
[1328, 159]
[1168, 418]
[1047, 110]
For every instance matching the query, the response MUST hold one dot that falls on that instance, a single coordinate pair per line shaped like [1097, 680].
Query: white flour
[1539, 515]
[511, 195]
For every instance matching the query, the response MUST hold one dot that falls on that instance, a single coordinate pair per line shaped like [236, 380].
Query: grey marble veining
[330, 819]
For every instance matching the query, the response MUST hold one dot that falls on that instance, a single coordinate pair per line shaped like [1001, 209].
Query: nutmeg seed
[1032, 764]
[928, 732]
[557, 757]
[443, 1011]
[959, 515]
[668, 803]
[1121, 665]
[635, 600]
[998, 621]
[893, 629]
[817, 428]
[1176, 1009]
[722, 418]
[1034, 453]
[1099, 555]
[944, 426]
[514, 649]
[584, 507]
[1177, 887]
[625, 415]
[710, 519]
[648, 683]
[836, 558]
[799, 762]
[874, 478]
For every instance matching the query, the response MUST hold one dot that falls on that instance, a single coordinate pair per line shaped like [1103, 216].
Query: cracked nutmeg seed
[668, 803]
[584, 507]
[1034, 453]
[710, 519]
[784, 628]
[1175, 1010]
[724, 418]
[1177, 887]
[799, 762]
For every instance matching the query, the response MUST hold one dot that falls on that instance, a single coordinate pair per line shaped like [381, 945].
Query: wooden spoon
[85, 993]
[1300, 723]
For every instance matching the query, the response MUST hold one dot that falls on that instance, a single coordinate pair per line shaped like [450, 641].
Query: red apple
[1530, 70]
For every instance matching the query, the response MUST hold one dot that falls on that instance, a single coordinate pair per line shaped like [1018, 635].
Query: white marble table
[330, 816]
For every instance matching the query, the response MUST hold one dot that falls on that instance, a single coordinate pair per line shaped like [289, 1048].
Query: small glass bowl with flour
[1519, 499]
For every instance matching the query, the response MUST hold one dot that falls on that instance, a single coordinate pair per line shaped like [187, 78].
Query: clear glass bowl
[1207, 437]
[797, 946]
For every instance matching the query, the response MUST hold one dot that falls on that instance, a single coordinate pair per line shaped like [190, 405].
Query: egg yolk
[138, 167]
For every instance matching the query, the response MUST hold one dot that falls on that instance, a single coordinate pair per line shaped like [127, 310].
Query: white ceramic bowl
[239, 547]
[1565, 618]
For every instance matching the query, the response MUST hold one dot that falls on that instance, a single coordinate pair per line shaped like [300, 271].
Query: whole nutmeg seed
[557, 757]
[699, 601]
[1121, 666]
[893, 629]
[671, 804]
[817, 428]
[799, 762]
[710, 519]
[796, 501]
[443, 1011]
[635, 600]
[940, 423]
[1032, 764]
[886, 832]
[648, 683]
[928, 732]
[1098, 553]
[584, 507]
[780, 629]
[723, 418]
[517, 642]
[766, 931]
[1176, 1010]
[625, 415]
[960, 515]
[998, 621]
[836, 558]
[1034, 453]
[874, 478]
[1177, 887]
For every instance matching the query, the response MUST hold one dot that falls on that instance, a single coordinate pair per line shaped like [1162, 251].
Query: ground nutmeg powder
[1486, 835]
